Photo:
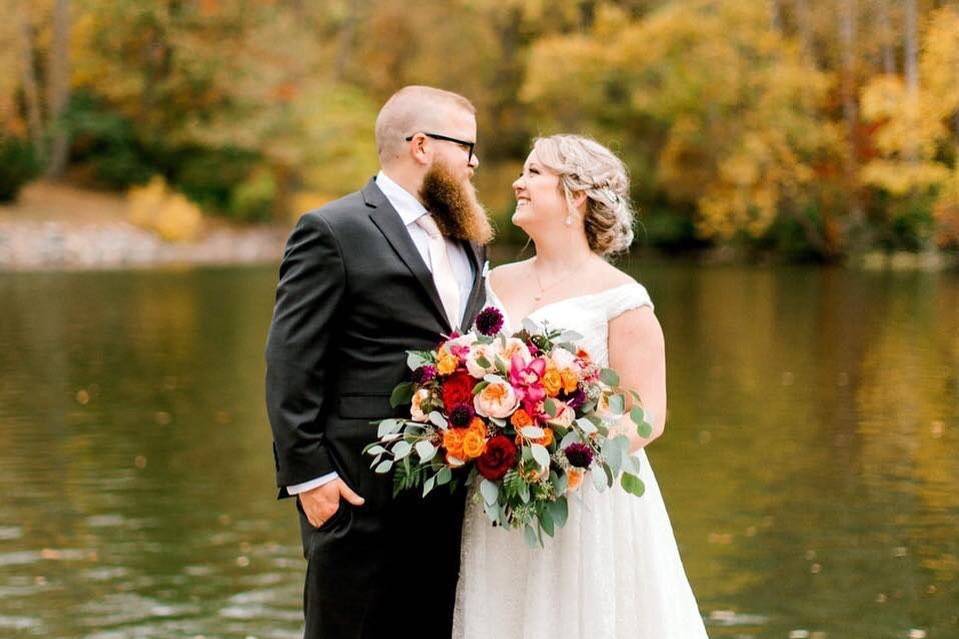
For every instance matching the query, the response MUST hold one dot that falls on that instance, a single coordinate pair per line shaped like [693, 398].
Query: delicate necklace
[562, 278]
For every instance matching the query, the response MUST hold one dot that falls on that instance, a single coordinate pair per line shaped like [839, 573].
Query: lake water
[810, 463]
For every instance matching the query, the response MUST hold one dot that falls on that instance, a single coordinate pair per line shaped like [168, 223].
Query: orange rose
[552, 382]
[446, 362]
[520, 419]
[547, 438]
[570, 380]
[453, 442]
[474, 444]
[574, 477]
[478, 426]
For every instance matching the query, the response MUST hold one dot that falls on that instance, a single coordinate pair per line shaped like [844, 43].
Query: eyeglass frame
[470, 146]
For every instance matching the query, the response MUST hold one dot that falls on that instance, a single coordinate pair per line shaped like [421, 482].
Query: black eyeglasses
[470, 146]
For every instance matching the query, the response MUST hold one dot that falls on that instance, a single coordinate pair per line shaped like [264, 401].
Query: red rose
[499, 457]
[457, 389]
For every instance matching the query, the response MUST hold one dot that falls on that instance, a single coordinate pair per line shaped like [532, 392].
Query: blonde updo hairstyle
[586, 165]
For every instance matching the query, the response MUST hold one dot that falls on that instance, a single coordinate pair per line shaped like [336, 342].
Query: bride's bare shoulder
[608, 276]
[504, 273]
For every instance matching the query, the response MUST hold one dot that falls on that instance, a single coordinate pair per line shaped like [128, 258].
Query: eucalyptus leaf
[530, 535]
[546, 522]
[599, 479]
[444, 476]
[644, 430]
[532, 432]
[571, 437]
[437, 418]
[383, 466]
[540, 454]
[633, 484]
[428, 485]
[492, 513]
[416, 359]
[402, 394]
[426, 450]
[617, 404]
[401, 449]
[388, 426]
[524, 492]
[586, 425]
[560, 511]
[550, 407]
[483, 362]
[479, 387]
[489, 490]
[609, 377]
[531, 327]
[570, 336]
[559, 486]
[638, 415]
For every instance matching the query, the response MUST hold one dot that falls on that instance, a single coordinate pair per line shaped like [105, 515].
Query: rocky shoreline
[56, 245]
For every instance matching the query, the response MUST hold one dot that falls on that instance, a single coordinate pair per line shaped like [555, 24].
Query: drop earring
[569, 219]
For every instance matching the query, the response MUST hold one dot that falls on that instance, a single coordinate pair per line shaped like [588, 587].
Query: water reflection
[809, 464]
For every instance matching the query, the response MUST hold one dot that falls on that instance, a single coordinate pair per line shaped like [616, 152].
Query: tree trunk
[885, 26]
[775, 15]
[28, 75]
[58, 87]
[847, 39]
[804, 24]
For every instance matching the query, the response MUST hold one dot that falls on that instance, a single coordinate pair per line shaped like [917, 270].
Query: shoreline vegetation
[58, 227]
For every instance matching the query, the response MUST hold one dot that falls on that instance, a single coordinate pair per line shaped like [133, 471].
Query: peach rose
[498, 400]
[416, 410]
[514, 346]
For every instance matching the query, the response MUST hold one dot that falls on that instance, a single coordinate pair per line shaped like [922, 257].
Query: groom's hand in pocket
[322, 502]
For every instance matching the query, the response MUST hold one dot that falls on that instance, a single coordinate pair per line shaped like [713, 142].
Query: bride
[614, 570]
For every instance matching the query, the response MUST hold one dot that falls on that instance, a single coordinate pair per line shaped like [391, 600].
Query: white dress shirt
[410, 209]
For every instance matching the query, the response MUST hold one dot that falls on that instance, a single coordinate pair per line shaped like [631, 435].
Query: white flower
[563, 359]
[486, 351]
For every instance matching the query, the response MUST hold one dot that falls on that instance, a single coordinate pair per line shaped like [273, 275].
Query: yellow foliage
[165, 212]
[899, 178]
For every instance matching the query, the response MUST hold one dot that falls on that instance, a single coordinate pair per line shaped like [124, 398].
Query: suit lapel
[388, 221]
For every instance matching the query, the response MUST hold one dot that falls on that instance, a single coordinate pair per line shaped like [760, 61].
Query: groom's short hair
[413, 108]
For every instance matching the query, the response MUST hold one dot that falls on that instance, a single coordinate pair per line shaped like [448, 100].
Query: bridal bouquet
[527, 416]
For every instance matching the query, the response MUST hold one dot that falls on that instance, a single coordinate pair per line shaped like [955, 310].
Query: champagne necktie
[442, 268]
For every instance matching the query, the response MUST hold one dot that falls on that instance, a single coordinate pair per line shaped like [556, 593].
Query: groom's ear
[419, 149]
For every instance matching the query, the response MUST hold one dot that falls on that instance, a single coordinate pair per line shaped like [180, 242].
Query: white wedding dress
[612, 572]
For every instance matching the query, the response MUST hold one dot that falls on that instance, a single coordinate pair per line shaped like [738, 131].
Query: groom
[364, 279]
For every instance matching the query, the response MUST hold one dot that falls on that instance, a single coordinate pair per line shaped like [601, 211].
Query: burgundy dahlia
[579, 455]
[424, 374]
[462, 415]
[489, 321]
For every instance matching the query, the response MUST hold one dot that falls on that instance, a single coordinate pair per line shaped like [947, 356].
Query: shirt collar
[408, 207]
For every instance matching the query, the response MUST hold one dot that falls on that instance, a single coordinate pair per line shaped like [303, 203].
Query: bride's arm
[637, 352]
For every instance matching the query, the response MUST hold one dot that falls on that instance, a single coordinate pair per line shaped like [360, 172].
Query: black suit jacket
[353, 296]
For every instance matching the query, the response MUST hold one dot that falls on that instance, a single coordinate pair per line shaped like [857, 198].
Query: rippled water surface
[810, 463]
